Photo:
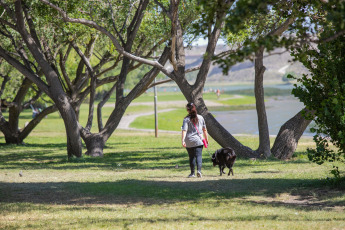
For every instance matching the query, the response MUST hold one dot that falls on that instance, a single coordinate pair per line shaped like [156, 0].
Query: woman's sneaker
[191, 175]
[199, 174]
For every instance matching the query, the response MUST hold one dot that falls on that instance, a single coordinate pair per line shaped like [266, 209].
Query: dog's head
[214, 159]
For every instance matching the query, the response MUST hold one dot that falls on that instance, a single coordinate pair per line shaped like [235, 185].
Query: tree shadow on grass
[49, 155]
[152, 192]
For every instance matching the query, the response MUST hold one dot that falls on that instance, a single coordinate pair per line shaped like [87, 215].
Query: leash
[209, 153]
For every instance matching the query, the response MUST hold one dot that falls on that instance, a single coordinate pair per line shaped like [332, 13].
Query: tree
[85, 82]
[216, 14]
[193, 92]
[19, 96]
[323, 92]
[251, 28]
[322, 15]
[21, 31]
[261, 17]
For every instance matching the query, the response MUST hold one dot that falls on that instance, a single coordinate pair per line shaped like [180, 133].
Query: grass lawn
[167, 121]
[141, 183]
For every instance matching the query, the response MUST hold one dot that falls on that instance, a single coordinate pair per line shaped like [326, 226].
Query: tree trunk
[74, 145]
[289, 134]
[264, 137]
[94, 144]
[14, 112]
[13, 138]
[224, 138]
[10, 136]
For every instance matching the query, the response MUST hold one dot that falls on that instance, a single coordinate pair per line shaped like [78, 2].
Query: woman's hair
[192, 113]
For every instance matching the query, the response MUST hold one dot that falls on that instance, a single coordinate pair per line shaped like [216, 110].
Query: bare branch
[32, 100]
[159, 83]
[88, 52]
[283, 27]
[101, 104]
[135, 23]
[3, 84]
[113, 23]
[125, 21]
[107, 80]
[193, 69]
[212, 42]
[331, 38]
[92, 85]
[34, 122]
[276, 53]
[8, 24]
[63, 59]
[25, 71]
[31, 26]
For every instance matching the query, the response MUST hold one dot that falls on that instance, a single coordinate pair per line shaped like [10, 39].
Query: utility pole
[155, 105]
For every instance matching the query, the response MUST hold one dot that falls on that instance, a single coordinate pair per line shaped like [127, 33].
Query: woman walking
[192, 139]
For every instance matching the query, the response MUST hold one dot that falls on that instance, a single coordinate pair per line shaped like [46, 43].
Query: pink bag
[203, 140]
[205, 143]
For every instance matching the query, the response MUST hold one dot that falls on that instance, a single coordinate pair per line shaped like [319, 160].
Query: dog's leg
[230, 171]
[220, 170]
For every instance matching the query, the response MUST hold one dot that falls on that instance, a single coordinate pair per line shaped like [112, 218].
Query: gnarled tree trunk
[74, 146]
[289, 134]
[94, 144]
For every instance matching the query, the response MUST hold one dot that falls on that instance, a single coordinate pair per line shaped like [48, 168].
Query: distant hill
[276, 66]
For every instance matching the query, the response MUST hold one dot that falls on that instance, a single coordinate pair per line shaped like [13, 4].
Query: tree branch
[25, 71]
[101, 104]
[283, 27]
[113, 23]
[212, 41]
[108, 34]
[32, 100]
[163, 8]
[34, 122]
[159, 83]
[63, 59]
[92, 85]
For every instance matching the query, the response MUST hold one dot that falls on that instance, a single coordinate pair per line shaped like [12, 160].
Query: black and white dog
[224, 157]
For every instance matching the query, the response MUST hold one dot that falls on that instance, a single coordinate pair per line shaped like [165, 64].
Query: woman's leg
[192, 156]
[198, 153]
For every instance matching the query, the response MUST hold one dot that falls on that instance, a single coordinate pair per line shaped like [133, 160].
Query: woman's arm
[205, 134]
[183, 137]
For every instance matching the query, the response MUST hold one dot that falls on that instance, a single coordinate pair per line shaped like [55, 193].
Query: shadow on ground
[307, 194]
[49, 156]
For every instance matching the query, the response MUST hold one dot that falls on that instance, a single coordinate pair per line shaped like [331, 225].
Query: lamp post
[155, 106]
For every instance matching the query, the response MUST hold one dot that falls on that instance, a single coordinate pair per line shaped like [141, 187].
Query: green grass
[141, 183]
[244, 100]
[137, 185]
[167, 121]
[269, 92]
